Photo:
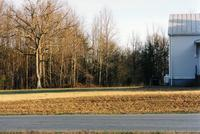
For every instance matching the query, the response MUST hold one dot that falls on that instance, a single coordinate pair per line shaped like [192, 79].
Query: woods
[44, 45]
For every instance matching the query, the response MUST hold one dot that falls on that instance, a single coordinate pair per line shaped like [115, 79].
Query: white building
[184, 50]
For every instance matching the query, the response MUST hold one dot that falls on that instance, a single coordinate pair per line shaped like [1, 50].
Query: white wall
[183, 60]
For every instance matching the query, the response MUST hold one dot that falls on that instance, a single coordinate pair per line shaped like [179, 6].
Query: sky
[138, 16]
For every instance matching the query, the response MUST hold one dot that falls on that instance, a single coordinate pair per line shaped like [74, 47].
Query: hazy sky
[134, 15]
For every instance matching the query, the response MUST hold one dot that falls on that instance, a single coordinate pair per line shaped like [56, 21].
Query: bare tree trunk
[74, 71]
[38, 69]
[40, 66]
[50, 67]
[13, 73]
[61, 70]
[43, 71]
[27, 62]
[100, 69]
[106, 74]
[106, 66]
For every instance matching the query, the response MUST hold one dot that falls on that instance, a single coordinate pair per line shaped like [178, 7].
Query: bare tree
[103, 33]
[38, 21]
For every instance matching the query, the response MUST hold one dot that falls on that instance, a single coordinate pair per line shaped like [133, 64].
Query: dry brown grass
[103, 103]
[39, 96]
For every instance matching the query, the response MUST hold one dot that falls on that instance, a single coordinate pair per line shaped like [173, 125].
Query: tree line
[45, 45]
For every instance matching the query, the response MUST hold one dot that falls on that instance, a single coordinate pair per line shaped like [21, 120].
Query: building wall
[183, 58]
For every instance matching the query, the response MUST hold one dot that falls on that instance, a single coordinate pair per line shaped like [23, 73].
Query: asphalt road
[147, 122]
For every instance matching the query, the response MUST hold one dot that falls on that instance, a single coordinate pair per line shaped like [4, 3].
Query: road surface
[147, 122]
